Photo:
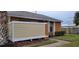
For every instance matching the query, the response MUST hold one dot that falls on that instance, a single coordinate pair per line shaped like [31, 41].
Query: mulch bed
[23, 43]
[28, 42]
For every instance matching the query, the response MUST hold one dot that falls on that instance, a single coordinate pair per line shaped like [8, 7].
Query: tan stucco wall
[29, 30]
[46, 30]
[10, 31]
[25, 30]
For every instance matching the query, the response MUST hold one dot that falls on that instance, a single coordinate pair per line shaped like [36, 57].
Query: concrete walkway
[57, 44]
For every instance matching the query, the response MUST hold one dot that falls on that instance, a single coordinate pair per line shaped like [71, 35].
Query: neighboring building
[70, 29]
[41, 26]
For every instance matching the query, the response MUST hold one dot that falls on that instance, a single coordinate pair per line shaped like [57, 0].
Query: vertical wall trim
[46, 29]
[13, 32]
[48, 26]
[8, 26]
[54, 28]
[9, 18]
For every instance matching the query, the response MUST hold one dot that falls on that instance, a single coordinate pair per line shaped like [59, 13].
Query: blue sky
[66, 16]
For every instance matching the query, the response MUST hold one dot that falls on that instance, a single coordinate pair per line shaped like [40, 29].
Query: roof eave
[37, 18]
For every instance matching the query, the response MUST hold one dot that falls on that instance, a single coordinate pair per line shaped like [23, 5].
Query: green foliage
[59, 33]
[76, 18]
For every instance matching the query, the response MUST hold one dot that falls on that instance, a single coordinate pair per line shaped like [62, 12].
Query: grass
[72, 44]
[73, 38]
[69, 37]
[45, 42]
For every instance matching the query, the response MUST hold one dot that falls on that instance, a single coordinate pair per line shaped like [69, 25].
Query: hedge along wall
[57, 26]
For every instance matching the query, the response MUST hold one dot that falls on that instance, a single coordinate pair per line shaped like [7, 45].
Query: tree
[3, 27]
[76, 18]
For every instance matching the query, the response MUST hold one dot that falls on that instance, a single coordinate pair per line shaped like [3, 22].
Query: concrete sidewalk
[57, 44]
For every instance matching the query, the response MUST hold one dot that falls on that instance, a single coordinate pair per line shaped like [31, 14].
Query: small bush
[59, 33]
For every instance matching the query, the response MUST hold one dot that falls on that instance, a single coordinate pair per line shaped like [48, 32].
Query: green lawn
[73, 38]
[44, 42]
[72, 44]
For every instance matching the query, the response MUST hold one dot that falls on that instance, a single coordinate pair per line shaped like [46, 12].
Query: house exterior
[28, 26]
[71, 29]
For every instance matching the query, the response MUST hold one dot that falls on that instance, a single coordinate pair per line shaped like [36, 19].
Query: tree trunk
[3, 27]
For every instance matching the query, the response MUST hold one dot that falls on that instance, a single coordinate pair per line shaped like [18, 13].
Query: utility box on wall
[19, 31]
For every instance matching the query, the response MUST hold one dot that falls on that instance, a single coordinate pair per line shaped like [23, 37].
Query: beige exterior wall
[27, 30]
[10, 31]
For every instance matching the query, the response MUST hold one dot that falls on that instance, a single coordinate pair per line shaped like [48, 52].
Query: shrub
[59, 33]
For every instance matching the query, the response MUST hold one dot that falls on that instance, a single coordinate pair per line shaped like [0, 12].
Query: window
[51, 27]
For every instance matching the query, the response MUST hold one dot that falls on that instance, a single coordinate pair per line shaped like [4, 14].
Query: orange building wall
[58, 26]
